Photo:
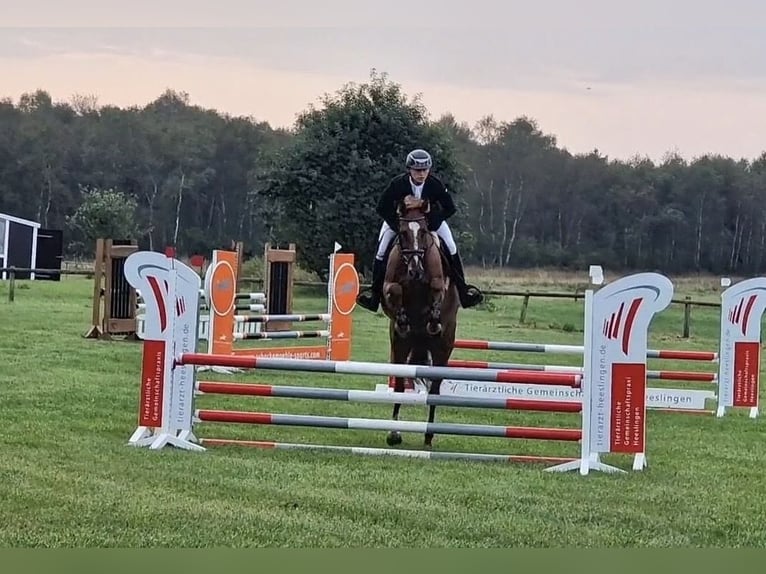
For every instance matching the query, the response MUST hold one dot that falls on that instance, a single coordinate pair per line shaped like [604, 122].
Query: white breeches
[445, 234]
[386, 236]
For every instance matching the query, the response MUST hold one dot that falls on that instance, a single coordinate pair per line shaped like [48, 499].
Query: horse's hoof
[393, 438]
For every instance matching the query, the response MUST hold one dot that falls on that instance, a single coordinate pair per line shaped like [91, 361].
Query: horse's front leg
[434, 326]
[395, 302]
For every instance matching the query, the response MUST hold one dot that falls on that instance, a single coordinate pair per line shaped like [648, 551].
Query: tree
[200, 179]
[103, 213]
[330, 177]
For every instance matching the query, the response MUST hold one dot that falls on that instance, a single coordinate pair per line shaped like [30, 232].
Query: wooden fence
[575, 295]
[687, 302]
[12, 271]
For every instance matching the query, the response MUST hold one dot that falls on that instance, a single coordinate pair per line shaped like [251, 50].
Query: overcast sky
[626, 78]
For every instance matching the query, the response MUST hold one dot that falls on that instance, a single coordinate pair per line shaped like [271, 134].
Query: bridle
[410, 253]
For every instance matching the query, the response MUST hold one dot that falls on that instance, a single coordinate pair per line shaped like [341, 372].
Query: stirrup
[471, 296]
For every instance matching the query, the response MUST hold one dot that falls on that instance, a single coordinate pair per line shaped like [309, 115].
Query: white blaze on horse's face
[414, 226]
[416, 266]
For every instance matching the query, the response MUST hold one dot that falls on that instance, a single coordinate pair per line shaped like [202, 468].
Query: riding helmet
[419, 159]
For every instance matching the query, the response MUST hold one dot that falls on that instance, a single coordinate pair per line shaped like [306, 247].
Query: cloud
[521, 57]
[540, 15]
[642, 78]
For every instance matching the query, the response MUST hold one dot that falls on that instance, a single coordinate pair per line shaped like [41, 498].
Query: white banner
[656, 398]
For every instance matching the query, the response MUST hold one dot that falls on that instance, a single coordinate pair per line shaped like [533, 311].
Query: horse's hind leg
[398, 356]
[421, 355]
[440, 357]
[433, 390]
[394, 438]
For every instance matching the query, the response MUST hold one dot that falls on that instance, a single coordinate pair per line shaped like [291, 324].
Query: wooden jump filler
[279, 267]
[114, 299]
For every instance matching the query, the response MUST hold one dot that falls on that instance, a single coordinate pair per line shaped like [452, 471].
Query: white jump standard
[739, 366]
[612, 382]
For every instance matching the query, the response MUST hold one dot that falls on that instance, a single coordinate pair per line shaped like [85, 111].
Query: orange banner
[344, 290]
[222, 290]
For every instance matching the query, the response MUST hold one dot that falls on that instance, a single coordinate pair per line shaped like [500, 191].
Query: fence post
[687, 315]
[11, 284]
[524, 305]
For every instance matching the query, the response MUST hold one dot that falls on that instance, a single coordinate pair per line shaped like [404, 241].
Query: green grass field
[67, 478]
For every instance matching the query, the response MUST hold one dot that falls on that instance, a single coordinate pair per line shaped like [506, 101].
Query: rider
[417, 181]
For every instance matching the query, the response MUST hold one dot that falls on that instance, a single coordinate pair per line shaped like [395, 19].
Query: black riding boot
[371, 299]
[469, 294]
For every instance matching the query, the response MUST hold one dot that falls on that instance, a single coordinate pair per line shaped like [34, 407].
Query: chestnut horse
[420, 301]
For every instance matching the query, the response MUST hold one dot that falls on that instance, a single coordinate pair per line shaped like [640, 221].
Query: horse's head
[414, 236]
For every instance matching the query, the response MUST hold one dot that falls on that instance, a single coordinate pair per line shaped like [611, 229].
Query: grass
[67, 478]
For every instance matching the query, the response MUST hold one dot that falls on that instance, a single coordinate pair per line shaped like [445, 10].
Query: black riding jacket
[442, 205]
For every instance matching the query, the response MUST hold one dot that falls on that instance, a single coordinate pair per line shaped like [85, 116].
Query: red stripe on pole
[235, 389]
[688, 355]
[235, 417]
[545, 406]
[408, 384]
[468, 364]
[471, 344]
[540, 433]
[539, 378]
[687, 376]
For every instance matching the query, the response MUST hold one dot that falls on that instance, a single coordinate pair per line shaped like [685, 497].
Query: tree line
[172, 173]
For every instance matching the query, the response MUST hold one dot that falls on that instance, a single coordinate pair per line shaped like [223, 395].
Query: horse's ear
[399, 209]
[426, 206]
